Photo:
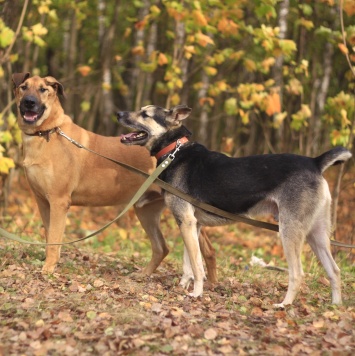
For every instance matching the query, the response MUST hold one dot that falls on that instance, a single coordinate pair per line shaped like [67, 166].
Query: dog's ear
[54, 83]
[19, 78]
[178, 113]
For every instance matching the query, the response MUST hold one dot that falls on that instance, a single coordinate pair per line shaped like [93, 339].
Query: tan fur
[61, 175]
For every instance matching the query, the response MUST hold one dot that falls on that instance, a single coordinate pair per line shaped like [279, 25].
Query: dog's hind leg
[292, 237]
[209, 255]
[148, 214]
[318, 238]
[188, 274]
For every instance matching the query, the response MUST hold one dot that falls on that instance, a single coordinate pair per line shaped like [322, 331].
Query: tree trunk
[202, 135]
[277, 71]
[106, 109]
[71, 48]
[134, 73]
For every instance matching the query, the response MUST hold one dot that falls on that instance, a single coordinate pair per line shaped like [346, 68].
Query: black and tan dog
[61, 175]
[285, 185]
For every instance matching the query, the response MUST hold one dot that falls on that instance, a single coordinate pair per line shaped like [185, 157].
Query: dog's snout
[122, 114]
[30, 102]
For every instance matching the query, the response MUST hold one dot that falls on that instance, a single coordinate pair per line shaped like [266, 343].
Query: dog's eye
[23, 87]
[144, 115]
[42, 90]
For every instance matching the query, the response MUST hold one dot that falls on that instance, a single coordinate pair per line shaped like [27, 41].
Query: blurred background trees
[261, 75]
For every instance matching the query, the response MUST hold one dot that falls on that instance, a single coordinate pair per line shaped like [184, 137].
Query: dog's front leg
[192, 256]
[188, 274]
[54, 233]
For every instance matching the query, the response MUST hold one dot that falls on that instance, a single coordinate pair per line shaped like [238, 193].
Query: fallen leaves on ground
[91, 306]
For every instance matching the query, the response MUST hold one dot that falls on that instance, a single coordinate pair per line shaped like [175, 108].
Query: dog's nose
[29, 102]
[121, 114]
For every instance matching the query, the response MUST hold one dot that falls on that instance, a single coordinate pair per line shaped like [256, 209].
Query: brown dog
[61, 174]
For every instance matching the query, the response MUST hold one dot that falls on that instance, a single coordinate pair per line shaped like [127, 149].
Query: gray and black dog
[288, 186]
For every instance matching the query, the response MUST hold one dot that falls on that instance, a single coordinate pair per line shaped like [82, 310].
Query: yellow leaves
[249, 65]
[299, 119]
[85, 106]
[189, 51]
[230, 106]
[6, 164]
[210, 70]
[155, 10]
[267, 63]
[279, 119]
[39, 30]
[138, 50]
[237, 55]
[244, 115]
[35, 34]
[106, 86]
[6, 35]
[294, 87]
[307, 24]
[175, 99]
[340, 137]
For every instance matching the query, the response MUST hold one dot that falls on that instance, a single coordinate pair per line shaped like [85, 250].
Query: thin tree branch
[19, 26]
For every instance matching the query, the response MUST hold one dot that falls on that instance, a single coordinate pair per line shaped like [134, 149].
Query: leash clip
[177, 149]
[61, 133]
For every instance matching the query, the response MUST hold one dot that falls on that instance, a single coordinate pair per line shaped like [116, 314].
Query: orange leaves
[199, 17]
[273, 103]
[206, 100]
[343, 48]
[162, 59]
[227, 26]
[203, 40]
[84, 70]
[138, 50]
[349, 7]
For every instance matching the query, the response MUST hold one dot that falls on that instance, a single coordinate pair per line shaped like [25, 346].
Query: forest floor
[96, 303]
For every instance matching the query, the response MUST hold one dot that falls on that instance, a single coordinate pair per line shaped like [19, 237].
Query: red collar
[170, 147]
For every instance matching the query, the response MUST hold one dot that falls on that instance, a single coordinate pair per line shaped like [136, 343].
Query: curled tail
[334, 156]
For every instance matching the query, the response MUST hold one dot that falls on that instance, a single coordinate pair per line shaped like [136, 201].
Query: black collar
[46, 134]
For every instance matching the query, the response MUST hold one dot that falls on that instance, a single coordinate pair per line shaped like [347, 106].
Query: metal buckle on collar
[177, 149]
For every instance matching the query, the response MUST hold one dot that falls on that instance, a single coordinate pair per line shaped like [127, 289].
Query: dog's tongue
[30, 116]
[128, 137]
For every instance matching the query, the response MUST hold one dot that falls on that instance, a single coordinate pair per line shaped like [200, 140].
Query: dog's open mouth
[32, 116]
[134, 138]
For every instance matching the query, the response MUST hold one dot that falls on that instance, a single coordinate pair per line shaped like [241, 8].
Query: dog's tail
[330, 158]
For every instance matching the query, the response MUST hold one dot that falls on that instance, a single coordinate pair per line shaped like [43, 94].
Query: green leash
[148, 182]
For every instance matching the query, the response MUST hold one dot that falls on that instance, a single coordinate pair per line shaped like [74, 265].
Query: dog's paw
[48, 269]
[186, 281]
[198, 289]
[279, 306]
